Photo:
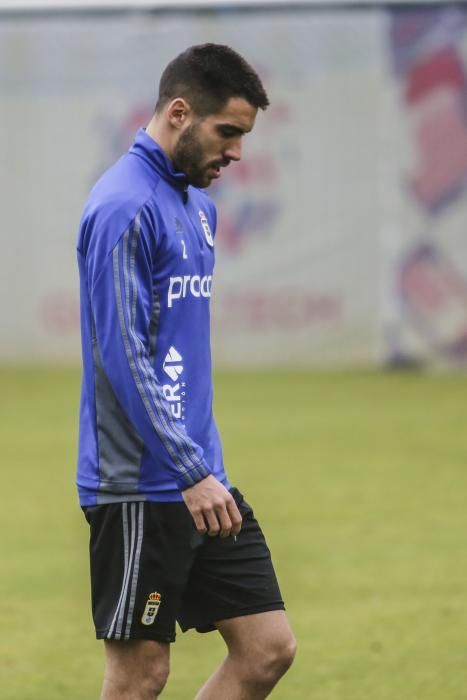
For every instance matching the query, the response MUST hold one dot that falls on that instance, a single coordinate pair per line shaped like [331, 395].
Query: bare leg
[135, 670]
[260, 650]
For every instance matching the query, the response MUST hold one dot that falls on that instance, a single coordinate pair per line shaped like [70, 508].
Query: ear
[178, 112]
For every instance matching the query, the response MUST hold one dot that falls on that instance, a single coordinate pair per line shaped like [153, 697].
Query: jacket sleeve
[121, 295]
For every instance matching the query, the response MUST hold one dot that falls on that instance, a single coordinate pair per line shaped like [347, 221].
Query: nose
[234, 150]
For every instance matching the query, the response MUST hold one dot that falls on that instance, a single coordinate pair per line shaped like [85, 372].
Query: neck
[159, 132]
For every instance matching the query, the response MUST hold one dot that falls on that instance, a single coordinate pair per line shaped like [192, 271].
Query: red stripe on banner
[442, 69]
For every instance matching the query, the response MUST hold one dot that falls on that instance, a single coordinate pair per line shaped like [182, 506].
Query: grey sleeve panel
[120, 446]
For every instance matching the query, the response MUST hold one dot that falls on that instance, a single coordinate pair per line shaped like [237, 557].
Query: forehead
[236, 112]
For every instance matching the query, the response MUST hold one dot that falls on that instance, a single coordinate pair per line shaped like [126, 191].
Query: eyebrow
[233, 129]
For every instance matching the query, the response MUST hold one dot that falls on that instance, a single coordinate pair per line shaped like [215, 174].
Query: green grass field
[360, 482]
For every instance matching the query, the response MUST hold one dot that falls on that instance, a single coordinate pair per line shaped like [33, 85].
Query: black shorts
[150, 568]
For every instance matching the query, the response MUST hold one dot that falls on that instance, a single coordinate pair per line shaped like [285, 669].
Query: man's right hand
[213, 508]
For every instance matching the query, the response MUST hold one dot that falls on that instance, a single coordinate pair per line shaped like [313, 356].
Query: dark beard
[188, 156]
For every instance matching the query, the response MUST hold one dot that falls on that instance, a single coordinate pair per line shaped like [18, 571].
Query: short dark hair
[207, 76]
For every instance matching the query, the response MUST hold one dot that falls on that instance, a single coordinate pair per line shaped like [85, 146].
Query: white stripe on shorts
[132, 544]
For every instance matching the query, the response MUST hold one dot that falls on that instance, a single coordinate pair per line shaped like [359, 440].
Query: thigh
[135, 658]
[249, 634]
[231, 577]
[141, 554]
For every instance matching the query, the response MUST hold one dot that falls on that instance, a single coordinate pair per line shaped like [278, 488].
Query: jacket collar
[146, 148]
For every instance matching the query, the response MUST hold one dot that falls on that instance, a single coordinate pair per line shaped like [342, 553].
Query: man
[170, 538]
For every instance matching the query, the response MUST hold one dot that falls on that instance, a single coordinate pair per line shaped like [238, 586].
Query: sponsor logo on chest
[188, 285]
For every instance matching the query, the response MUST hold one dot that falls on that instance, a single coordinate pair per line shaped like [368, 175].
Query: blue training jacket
[146, 258]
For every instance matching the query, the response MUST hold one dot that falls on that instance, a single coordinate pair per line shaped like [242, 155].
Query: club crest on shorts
[206, 228]
[151, 609]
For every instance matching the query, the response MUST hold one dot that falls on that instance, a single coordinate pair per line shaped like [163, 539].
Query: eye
[227, 132]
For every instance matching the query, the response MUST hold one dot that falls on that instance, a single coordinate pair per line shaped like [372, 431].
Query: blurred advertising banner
[342, 232]
[428, 282]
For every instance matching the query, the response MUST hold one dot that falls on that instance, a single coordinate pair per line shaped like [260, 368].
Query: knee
[155, 678]
[135, 670]
[281, 656]
[145, 684]
[288, 653]
[271, 661]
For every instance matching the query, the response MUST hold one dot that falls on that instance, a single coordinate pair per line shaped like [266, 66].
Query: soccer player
[170, 539]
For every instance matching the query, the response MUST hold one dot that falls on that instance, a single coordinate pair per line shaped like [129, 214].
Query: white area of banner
[313, 222]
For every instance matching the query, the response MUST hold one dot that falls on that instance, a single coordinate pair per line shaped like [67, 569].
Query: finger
[235, 517]
[199, 521]
[224, 520]
[212, 523]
